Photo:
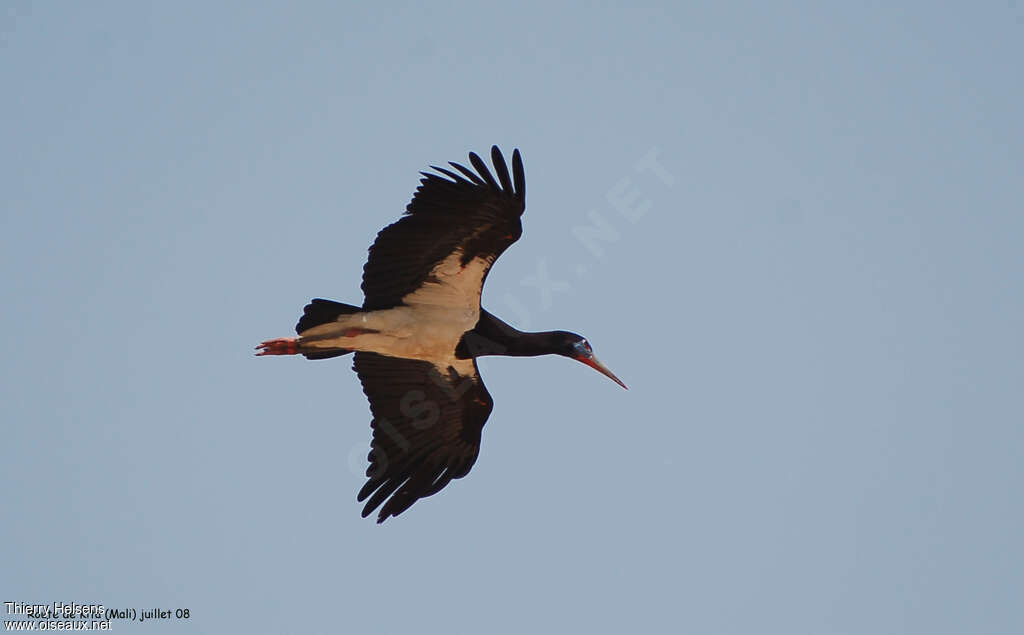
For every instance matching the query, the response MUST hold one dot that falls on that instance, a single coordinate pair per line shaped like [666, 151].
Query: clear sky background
[815, 298]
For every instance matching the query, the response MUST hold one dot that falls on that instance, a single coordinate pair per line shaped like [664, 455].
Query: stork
[421, 327]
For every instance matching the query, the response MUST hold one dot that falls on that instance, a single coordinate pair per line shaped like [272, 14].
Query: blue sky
[814, 297]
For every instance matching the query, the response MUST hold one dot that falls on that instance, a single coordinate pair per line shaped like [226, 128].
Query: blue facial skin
[582, 349]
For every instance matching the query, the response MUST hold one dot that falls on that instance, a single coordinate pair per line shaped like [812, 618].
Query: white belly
[428, 327]
[414, 332]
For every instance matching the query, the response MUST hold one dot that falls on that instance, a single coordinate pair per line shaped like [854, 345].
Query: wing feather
[481, 168]
[448, 213]
[427, 425]
[469, 173]
[501, 170]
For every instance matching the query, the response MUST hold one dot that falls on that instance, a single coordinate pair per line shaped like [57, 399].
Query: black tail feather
[320, 311]
[338, 352]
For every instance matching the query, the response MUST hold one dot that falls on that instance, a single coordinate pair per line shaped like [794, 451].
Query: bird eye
[583, 347]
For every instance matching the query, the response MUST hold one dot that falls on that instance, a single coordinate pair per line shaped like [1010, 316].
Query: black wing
[426, 428]
[467, 211]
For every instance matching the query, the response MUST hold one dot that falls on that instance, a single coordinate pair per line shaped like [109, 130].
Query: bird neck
[531, 344]
[492, 336]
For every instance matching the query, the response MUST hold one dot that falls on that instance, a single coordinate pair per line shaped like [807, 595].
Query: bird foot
[280, 346]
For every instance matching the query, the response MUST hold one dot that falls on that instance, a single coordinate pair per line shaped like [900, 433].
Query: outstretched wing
[451, 221]
[426, 428]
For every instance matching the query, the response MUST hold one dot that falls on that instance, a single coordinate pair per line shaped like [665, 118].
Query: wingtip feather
[518, 174]
[501, 169]
[469, 173]
[481, 167]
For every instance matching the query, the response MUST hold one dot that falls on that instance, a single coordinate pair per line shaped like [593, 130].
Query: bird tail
[320, 311]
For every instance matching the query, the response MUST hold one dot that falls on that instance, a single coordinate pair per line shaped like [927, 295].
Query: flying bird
[421, 327]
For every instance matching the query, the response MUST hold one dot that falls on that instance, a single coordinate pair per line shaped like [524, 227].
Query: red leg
[280, 346]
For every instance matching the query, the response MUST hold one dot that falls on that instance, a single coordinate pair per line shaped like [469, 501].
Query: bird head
[577, 347]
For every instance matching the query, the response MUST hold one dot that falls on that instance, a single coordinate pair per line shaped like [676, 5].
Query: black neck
[492, 336]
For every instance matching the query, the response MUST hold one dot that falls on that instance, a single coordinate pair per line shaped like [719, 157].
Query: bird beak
[596, 364]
